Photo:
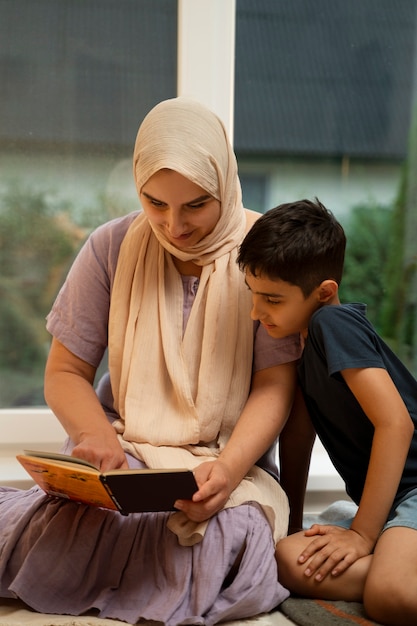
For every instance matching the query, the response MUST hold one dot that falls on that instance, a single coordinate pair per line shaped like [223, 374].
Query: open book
[127, 491]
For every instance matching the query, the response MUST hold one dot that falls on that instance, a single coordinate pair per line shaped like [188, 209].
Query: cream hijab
[180, 395]
[170, 389]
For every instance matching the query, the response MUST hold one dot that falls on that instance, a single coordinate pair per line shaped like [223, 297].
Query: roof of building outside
[325, 78]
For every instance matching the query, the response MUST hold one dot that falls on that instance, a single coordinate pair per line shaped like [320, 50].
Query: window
[323, 101]
[77, 78]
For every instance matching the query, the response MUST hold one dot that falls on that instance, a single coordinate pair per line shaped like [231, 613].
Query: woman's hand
[103, 450]
[70, 393]
[214, 487]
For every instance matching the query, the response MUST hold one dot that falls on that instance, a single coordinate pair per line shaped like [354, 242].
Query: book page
[68, 480]
[57, 456]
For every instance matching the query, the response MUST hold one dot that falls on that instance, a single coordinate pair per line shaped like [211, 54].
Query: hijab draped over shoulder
[180, 395]
[171, 389]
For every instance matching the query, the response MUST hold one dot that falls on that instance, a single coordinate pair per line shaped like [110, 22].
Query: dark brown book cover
[127, 491]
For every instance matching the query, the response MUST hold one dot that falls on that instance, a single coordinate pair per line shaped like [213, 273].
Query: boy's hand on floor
[332, 551]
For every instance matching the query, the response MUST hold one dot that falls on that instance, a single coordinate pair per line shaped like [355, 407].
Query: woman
[191, 383]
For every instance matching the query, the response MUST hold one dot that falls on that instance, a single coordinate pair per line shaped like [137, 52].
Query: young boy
[363, 405]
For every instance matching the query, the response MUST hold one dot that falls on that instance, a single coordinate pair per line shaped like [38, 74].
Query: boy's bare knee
[282, 549]
[286, 554]
[290, 572]
[283, 562]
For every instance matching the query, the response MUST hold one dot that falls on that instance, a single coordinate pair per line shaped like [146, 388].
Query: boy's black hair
[300, 242]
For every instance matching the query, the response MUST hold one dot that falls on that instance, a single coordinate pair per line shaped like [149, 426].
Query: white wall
[339, 187]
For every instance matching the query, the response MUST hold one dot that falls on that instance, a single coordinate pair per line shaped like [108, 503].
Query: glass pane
[77, 78]
[323, 104]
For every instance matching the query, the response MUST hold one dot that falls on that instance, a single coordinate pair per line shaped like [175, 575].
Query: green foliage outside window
[37, 243]
[367, 231]
[375, 274]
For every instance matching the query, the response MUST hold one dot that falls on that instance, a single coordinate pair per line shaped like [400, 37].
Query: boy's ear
[327, 290]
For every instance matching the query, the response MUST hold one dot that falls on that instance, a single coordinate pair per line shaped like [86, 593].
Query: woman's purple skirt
[68, 558]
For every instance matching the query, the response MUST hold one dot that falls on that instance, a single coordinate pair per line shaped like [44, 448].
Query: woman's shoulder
[251, 217]
[101, 249]
[115, 228]
[105, 241]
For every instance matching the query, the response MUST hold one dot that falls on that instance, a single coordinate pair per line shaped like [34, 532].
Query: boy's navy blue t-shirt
[341, 337]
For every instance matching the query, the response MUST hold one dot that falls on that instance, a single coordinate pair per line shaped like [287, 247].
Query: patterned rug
[325, 613]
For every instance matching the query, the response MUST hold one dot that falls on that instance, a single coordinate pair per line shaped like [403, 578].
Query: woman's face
[182, 210]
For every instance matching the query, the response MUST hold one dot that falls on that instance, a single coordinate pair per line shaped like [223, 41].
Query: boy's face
[280, 306]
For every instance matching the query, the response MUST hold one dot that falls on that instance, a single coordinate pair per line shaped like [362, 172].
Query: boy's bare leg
[390, 594]
[347, 586]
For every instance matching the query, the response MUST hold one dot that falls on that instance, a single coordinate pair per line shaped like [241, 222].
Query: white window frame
[206, 59]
